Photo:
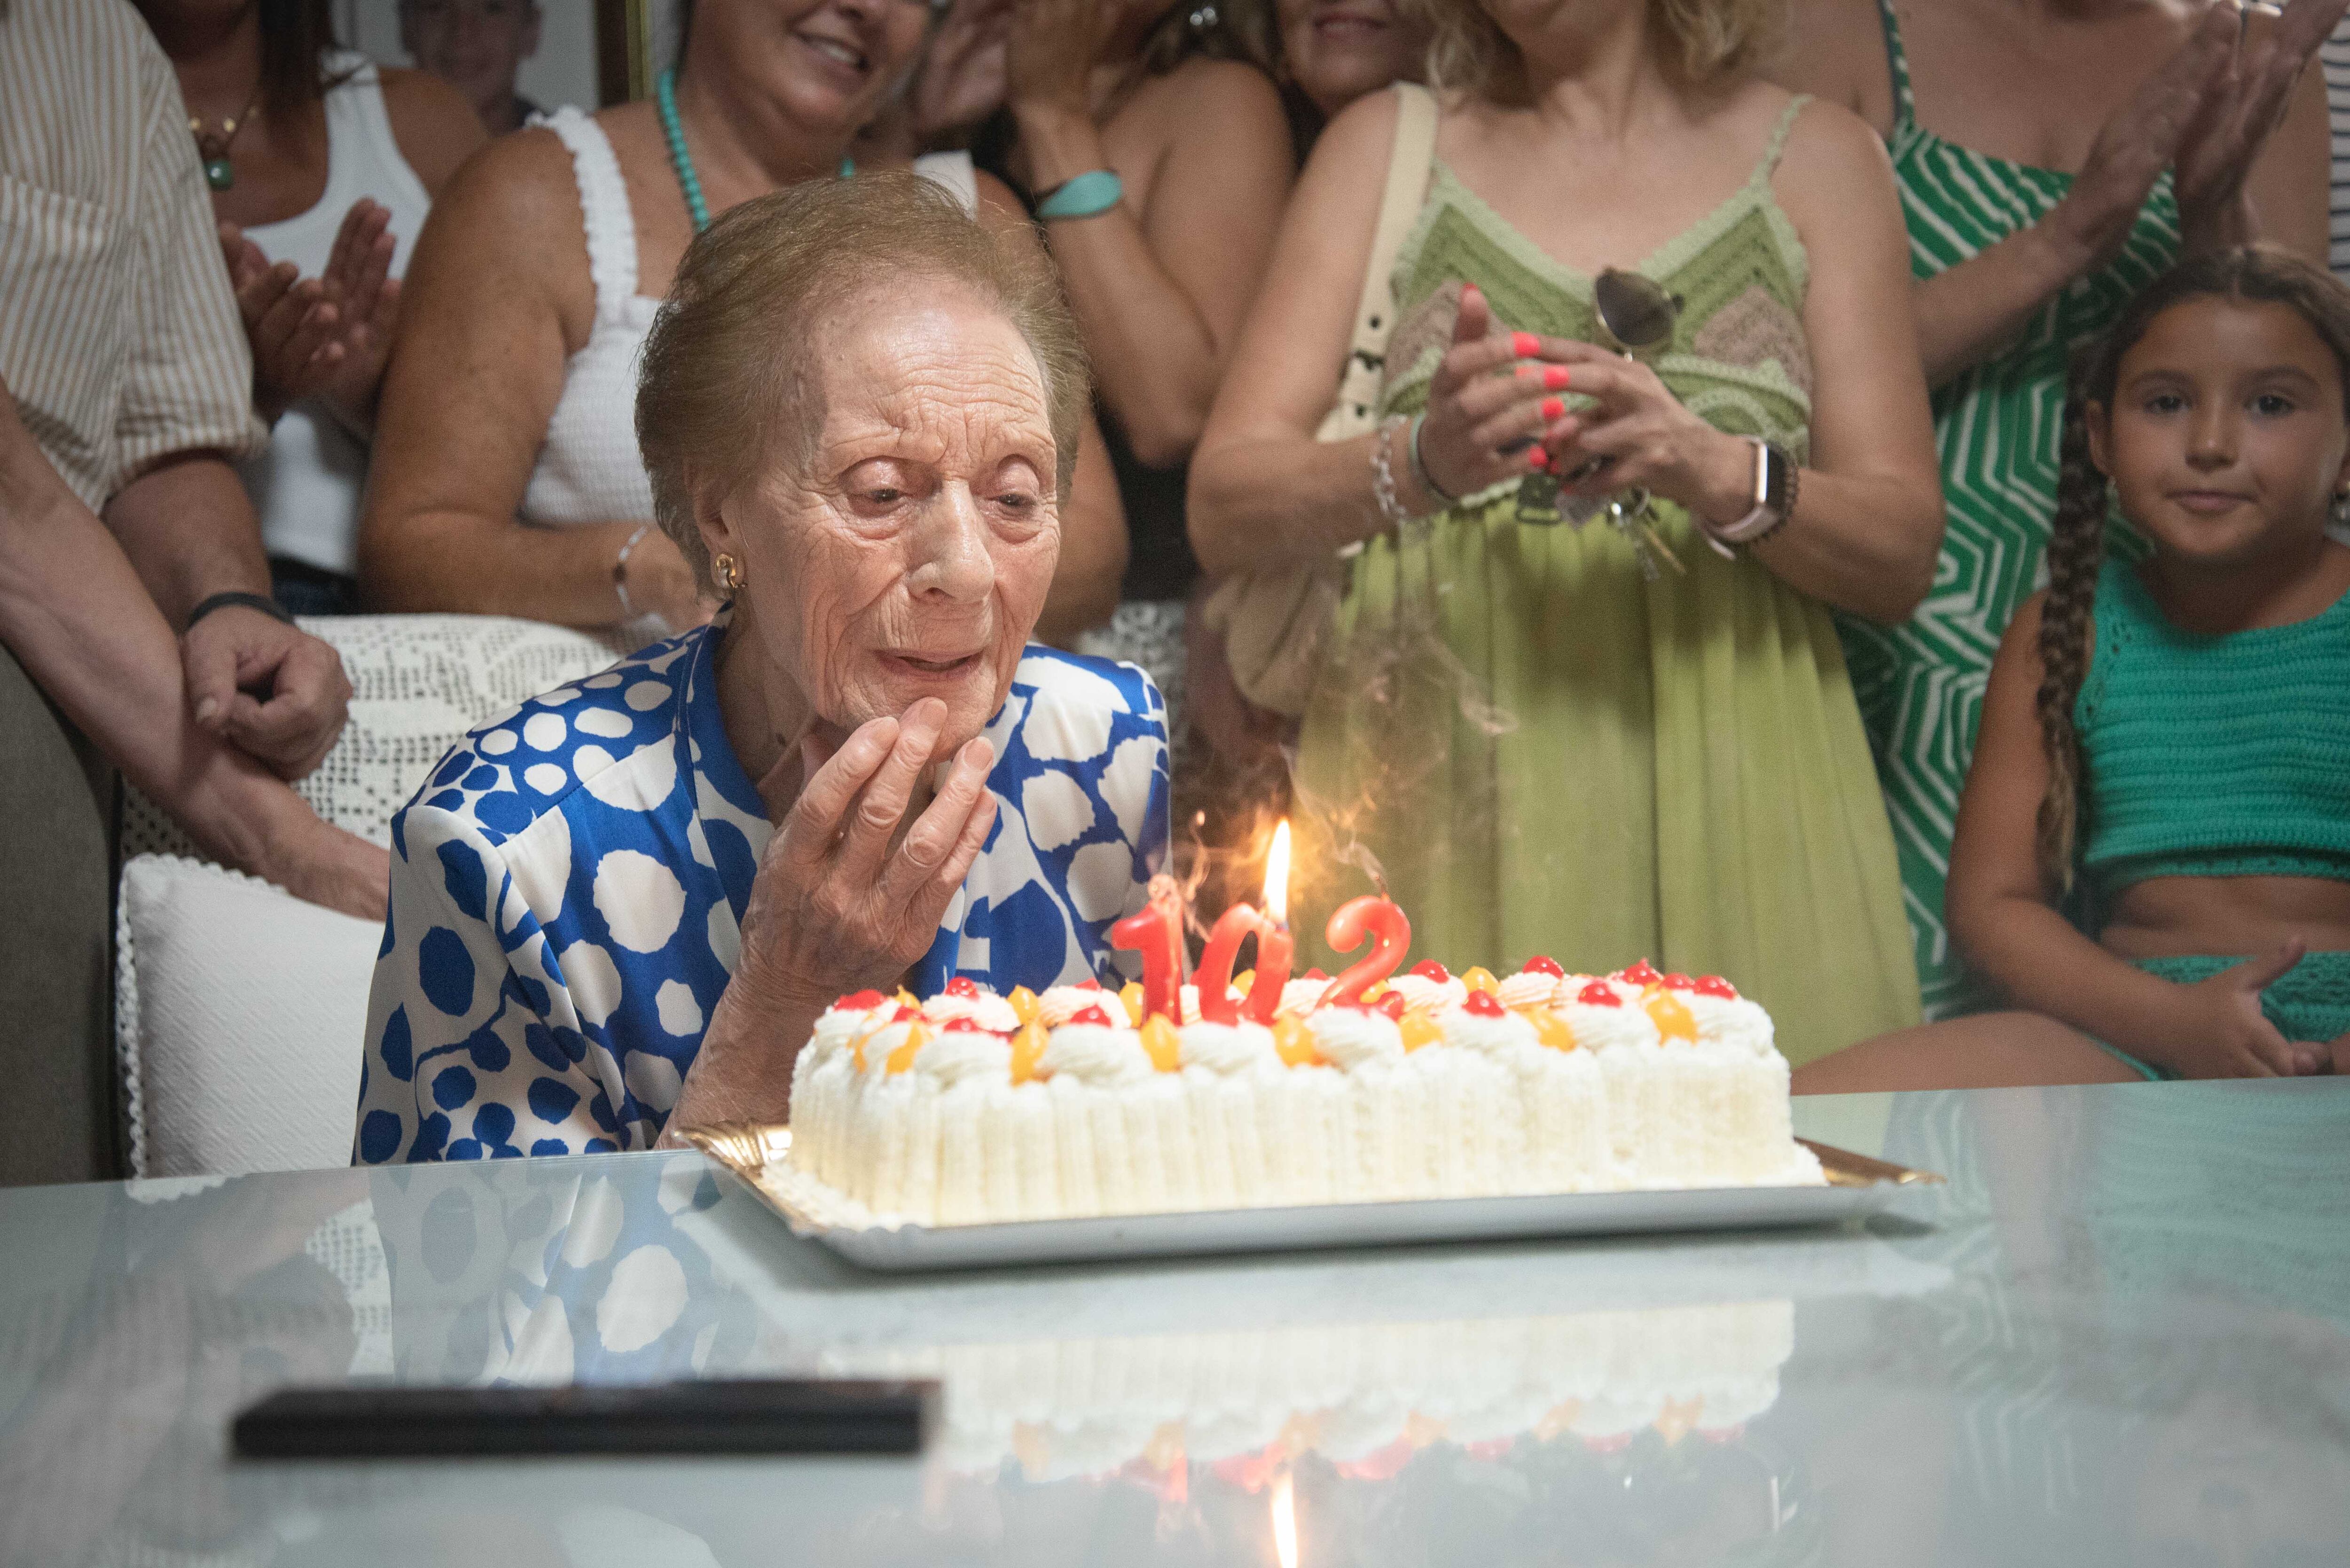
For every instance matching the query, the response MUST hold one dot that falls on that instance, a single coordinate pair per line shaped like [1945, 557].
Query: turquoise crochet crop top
[2212, 756]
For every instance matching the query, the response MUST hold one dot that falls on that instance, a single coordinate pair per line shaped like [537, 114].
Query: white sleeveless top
[590, 469]
[308, 485]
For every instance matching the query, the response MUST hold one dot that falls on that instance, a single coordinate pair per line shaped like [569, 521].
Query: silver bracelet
[1419, 463]
[620, 571]
[1383, 479]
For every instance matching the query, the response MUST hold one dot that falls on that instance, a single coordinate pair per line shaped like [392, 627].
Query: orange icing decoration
[1294, 1042]
[1558, 1420]
[1130, 993]
[1677, 1419]
[1024, 1006]
[1243, 980]
[1159, 1039]
[1480, 979]
[906, 999]
[1375, 990]
[1670, 1014]
[1027, 1050]
[1418, 1028]
[1550, 1028]
[902, 1058]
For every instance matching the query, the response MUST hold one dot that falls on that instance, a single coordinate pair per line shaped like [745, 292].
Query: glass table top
[2117, 1336]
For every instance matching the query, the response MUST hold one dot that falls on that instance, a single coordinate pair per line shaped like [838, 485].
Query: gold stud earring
[729, 576]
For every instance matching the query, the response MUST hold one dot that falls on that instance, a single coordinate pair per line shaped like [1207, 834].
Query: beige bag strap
[1409, 163]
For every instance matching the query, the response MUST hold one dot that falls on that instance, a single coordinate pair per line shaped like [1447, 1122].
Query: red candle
[1391, 939]
[1160, 941]
[1273, 950]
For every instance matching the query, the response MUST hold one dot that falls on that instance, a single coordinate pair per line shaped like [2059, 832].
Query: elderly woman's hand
[1634, 432]
[834, 907]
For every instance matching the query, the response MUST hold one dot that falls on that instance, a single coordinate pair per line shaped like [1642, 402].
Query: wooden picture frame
[624, 50]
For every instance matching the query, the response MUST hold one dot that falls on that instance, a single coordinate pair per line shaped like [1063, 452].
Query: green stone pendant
[219, 173]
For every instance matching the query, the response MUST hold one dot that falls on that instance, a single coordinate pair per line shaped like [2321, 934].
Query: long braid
[2077, 534]
[2077, 548]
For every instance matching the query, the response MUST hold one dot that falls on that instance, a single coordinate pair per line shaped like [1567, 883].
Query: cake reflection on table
[1366, 1397]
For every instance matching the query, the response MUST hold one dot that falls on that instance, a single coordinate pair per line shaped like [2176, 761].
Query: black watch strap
[261, 602]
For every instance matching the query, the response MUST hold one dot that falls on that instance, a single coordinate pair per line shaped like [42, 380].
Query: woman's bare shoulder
[1832, 161]
[519, 189]
[434, 123]
[508, 227]
[1203, 96]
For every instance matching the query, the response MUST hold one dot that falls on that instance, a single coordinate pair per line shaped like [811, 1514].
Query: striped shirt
[119, 336]
[2335, 54]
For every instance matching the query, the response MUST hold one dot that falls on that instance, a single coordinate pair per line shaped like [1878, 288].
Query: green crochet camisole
[2212, 756]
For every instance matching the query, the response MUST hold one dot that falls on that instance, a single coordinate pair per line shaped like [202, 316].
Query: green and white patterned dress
[1549, 752]
[1921, 684]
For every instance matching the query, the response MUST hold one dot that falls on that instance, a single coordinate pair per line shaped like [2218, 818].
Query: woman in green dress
[1572, 739]
[2043, 198]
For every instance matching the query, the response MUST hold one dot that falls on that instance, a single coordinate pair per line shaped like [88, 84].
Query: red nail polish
[1552, 407]
[1525, 345]
[1555, 378]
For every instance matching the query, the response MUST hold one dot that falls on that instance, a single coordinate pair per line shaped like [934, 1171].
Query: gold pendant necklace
[213, 146]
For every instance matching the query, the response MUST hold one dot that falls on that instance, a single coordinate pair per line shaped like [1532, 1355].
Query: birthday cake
[972, 1107]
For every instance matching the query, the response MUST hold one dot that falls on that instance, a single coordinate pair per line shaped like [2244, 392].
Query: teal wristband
[1088, 195]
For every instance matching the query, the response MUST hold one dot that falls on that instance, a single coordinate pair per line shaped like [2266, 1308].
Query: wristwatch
[1775, 487]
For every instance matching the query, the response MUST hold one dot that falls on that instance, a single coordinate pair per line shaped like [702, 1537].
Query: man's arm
[187, 526]
[77, 617]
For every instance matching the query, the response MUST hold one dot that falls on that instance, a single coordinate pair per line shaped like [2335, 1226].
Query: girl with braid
[2153, 851]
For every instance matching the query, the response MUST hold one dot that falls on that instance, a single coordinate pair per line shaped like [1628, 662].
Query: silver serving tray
[1857, 1186]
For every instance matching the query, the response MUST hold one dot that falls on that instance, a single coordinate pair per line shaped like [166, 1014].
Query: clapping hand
[1052, 46]
[326, 337]
[2223, 1033]
[1485, 408]
[2139, 141]
[963, 78]
[2245, 100]
[839, 902]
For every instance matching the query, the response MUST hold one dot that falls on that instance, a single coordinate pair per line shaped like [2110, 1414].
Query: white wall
[563, 71]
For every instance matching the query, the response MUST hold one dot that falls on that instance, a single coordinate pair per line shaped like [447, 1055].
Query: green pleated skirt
[1547, 752]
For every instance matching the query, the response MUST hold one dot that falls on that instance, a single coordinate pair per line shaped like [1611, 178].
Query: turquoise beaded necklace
[665, 91]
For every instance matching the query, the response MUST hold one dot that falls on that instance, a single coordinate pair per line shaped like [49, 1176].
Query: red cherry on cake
[1314, 974]
[904, 1015]
[1088, 984]
[1484, 1003]
[1678, 981]
[966, 1026]
[1641, 973]
[962, 985]
[1091, 1016]
[1429, 969]
[1391, 1003]
[859, 1000]
[1599, 993]
[1714, 985]
[1549, 966]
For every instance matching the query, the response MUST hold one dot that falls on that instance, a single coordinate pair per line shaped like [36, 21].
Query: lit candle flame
[1285, 1501]
[1277, 875]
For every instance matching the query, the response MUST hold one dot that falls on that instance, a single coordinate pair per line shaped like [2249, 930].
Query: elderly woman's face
[825, 62]
[911, 558]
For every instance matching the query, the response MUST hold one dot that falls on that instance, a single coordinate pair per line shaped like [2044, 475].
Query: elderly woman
[619, 909]
[507, 479]
[1557, 735]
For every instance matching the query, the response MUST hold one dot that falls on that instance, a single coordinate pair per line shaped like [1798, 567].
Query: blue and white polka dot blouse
[567, 888]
